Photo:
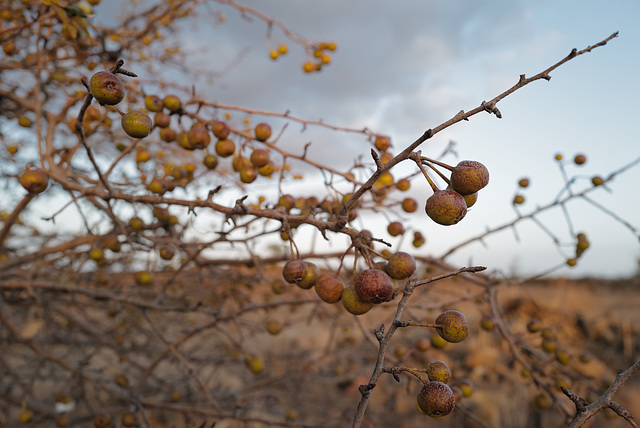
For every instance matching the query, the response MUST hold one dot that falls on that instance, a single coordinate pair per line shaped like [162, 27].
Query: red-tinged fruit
[329, 288]
[401, 265]
[436, 399]
[373, 286]
[469, 177]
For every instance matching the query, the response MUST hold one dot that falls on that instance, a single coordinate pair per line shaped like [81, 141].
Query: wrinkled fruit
[452, 326]
[106, 88]
[436, 399]
[446, 207]
[373, 286]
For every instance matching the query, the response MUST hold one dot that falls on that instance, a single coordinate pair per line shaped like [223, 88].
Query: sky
[404, 67]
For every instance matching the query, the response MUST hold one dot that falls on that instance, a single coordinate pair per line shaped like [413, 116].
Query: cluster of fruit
[447, 207]
[321, 57]
[371, 286]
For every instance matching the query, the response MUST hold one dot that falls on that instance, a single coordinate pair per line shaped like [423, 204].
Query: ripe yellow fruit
[172, 103]
[262, 132]
[153, 103]
[34, 181]
[136, 124]
[25, 122]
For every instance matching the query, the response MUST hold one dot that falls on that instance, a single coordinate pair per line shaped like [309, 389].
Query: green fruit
[295, 271]
[352, 302]
[329, 288]
[262, 132]
[34, 181]
[436, 399]
[106, 88]
[452, 326]
[446, 207]
[438, 371]
[401, 265]
[373, 286]
[469, 177]
[136, 124]
[310, 278]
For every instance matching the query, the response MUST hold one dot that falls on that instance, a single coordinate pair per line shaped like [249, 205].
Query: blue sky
[403, 67]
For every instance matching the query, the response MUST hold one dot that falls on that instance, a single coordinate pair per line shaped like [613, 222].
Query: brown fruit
[101, 421]
[395, 228]
[523, 182]
[469, 177]
[452, 326]
[262, 132]
[259, 158]
[352, 302]
[488, 322]
[373, 286]
[106, 88]
[198, 136]
[220, 130]
[225, 148]
[329, 288]
[580, 159]
[167, 252]
[136, 124]
[446, 207]
[295, 271]
[409, 205]
[162, 120]
[436, 399]
[210, 161]
[34, 181]
[418, 239]
[168, 135]
[129, 420]
[401, 265]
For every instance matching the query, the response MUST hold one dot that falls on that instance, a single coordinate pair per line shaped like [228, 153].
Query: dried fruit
[295, 271]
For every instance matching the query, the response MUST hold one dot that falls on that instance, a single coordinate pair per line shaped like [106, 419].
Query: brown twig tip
[580, 402]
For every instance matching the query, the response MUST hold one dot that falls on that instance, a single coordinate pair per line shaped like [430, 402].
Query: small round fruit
[295, 271]
[418, 239]
[469, 177]
[210, 161]
[143, 277]
[452, 326]
[198, 136]
[106, 88]
[129, 420]
[446, 207]
[438, 371]
[310, 278]
[580, 159]
[254, 364]
[259, 158]
[262, 132]
[523, 182]
[596, 180]
[220, 129]
[466, 386]
[34, 181]
[373, 286]
[25, 122]
[329, 288]
[382, 143]
[248, 174]
[409, 205]
[352, 302]
[518, 200]
[274, 327]
[167, 252]
[168, 135]
[403, 184]
[172, 103]
[436, 399]
[395, 228]
[401, 265]
[162, 120]
[136, 124]
[471, 199]
[153, 103]
[225, 148]
[96, 253]
[488, 323]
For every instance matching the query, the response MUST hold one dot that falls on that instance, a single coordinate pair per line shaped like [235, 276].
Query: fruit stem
[431, 183]
[444, 177]
[442, 164]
